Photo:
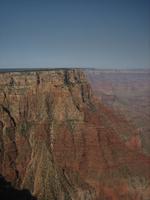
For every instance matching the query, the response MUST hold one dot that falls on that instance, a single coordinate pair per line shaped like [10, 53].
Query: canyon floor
[72, 134]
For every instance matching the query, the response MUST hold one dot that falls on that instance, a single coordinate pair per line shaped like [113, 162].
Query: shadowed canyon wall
[7, 192]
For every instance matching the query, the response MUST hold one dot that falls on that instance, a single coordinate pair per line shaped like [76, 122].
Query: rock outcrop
[61, 143]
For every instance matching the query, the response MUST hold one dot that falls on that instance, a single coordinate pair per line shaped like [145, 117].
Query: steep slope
[60, 142]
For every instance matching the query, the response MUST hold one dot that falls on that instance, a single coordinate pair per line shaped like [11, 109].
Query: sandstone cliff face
[58, 141]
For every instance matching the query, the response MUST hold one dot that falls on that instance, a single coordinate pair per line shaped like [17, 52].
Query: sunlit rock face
[61, 143]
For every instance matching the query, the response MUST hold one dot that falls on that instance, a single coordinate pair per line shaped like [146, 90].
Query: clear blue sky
[69, 33]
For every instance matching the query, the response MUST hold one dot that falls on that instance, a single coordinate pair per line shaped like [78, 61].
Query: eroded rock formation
[61, 143]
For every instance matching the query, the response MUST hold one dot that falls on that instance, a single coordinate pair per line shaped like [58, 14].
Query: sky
[75, 33]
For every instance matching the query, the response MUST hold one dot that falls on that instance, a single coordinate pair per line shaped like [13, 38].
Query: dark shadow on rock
[7, 192]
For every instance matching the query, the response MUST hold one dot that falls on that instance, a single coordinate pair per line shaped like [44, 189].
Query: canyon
[62, 142]
[127, 92]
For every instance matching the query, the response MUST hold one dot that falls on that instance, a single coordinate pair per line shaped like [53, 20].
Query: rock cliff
[61, 143]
